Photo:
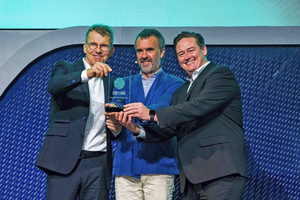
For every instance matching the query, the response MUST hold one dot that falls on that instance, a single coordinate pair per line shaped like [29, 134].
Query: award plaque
[121, 79]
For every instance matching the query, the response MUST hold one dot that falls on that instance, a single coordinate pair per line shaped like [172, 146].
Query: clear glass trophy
[121, 90]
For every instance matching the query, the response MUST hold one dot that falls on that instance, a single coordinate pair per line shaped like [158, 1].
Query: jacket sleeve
[220, 87]
[64, 78]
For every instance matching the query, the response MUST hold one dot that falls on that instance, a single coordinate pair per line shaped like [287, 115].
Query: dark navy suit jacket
[69, 110]
[207, 121]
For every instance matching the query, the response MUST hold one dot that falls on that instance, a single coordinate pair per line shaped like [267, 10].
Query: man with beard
[145, 171]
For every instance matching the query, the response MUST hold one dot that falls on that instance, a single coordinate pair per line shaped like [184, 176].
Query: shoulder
[219, 69]
[67, 64]
[172, 78]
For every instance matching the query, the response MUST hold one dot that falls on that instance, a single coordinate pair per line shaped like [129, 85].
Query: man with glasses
[76, 152]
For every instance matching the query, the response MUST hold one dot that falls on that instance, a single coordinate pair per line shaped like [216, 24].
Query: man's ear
[84, 48]
[162, 52]
[204, 50]
[111, 52]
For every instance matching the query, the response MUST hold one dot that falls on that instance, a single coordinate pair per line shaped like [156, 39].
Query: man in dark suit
[206, 117]
[76, 152]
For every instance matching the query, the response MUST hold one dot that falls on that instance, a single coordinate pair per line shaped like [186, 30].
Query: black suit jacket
[208, 123]
[69, 110]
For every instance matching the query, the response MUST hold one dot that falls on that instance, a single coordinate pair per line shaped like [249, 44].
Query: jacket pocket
[60, 127]
[212, 140]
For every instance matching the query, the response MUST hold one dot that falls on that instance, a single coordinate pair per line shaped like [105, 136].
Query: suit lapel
[79, 66]
[107, 82]
[183, 95]
[159, 80]
[198, 81]
[137, 90]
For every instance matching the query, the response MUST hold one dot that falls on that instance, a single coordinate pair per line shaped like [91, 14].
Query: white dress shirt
[196, 74]
[95, 131]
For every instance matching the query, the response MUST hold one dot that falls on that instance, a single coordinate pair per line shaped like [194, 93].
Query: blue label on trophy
[119, 83]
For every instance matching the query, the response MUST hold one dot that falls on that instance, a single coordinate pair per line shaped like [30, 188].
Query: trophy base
[113, 109]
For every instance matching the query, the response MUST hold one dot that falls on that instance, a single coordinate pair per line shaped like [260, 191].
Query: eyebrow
[187, 49]
[147, 49]
[191, 48]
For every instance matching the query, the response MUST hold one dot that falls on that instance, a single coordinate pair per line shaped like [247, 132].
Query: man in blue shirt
[145, 171]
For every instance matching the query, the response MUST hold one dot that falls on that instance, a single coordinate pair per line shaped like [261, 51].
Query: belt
[90, 154]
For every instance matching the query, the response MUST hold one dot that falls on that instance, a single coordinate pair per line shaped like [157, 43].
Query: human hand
[99, 69]
[111, 122]
[127, 122]
[137, 110]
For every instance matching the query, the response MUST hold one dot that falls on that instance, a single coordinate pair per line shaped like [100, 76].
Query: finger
[130, 109]
[124, 118]
[120, 116]
[106, 67]
[130, 105]
[105, 70]
[130, 118]
[109, 115]
[101, 74]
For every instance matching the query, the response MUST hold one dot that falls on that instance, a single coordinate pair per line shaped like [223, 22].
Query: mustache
[145, 60]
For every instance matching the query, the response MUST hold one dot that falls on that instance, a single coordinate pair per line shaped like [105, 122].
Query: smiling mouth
[145, 63]
[190, 62]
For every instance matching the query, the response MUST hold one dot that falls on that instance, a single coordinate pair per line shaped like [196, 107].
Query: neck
[147, 76]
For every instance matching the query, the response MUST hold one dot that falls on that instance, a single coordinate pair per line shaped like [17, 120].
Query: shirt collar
[153, 75]
[86, 65]
[197, 72]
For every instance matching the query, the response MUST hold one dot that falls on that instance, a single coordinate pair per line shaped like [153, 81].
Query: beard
[155, 65]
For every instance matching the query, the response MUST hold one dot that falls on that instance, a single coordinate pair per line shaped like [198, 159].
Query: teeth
[146, 63]
[190, 62]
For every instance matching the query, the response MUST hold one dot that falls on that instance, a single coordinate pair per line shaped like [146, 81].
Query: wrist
[152, 115]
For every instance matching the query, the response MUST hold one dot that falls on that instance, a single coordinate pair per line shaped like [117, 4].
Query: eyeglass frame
[101, 46]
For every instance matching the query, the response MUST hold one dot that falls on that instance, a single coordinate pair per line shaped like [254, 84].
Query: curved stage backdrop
[269, 78]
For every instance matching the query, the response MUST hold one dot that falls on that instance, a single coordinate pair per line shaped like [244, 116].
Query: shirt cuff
[84, 77]
[142, 134]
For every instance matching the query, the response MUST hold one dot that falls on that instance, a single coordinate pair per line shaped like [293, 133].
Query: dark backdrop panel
[269, 79]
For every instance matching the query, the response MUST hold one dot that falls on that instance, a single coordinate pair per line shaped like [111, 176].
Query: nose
[144, 54]
[98, 49]
[186, 56]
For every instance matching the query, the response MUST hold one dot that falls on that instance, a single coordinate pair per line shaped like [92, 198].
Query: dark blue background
[269, 79]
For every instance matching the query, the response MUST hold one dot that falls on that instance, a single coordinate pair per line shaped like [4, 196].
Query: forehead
[151, 41]
[186, 43]
[96, 37]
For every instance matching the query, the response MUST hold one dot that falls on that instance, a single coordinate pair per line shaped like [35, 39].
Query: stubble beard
[155, 65]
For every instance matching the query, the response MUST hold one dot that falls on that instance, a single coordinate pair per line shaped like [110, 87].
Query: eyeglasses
[103, 47]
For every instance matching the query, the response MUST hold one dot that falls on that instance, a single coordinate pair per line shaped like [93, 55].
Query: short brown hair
[103, 30]
[187, 34]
